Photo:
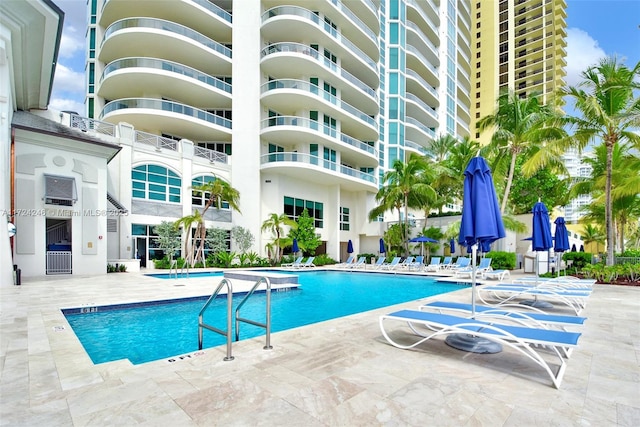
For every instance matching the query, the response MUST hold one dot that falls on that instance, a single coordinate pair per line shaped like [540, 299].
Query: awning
[115, 203]
[60, 190]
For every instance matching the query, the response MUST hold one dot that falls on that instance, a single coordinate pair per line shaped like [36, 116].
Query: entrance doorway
[58, 246]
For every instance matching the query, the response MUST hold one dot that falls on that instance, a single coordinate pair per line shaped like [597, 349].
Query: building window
[477, 94]
[477, 65]
[60, 190]
[293, 208]
[477, 115]
[478, 85]
[478, 75]
[478, 45]
[477, 105]
[478, 15]
[344, 219]
[477, 5]
[478, 25]
[154, 182]
[477, 134]
[199, 198]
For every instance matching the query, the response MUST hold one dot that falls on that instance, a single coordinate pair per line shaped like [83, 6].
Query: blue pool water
[151, 331]
[184, 275]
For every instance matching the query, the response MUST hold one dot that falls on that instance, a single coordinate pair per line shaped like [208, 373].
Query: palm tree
[403, 187]
[609, 113]
[521, 126]
[187, 222]
[276, 223]
[216, 192]
[592, 234]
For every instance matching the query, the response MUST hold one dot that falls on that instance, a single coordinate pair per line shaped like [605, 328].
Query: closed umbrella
[421, 240]
[560, 238]
[452, 246]
[382, 248]
[541, 241]
[350, 247]
[481, 222]
[295, 247]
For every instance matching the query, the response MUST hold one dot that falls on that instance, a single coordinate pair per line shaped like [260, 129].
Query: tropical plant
[544, 186]
[305, 233]
[243, 237]
[592, 234]
[609, 113]
[275, 224]
[186, 222]
[168, 238]
[216, 192]
[520, 128]
[403, 187]
[216, 240]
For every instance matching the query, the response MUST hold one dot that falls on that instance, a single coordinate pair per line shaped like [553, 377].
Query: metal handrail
[267, 325]
[202, 325]
[174, 263]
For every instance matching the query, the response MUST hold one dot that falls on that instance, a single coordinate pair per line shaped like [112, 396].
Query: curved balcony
[417, 62]
[293, 130]
[288, 96]
[306, 167]
[417, 38]
[279, 60]
[160, 116]
[293, 23]
[415, 147]
[417, 14]
[157, 38]
[137, 76]
[417, 131]
[417, 85]
[201, 15]
[365, 10]
[416, 107]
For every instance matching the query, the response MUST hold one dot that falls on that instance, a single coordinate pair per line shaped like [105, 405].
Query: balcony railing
[348, 13]
[211, 7]
[309, 15]
[86, 124]
[318, 162]
[211, 155]
[423, 128]
[429, 109]
[168, 66]
[164, 105]
[313, 53]
[161, 24]
[156, 141]
[308, 87]
[422, 81]
[316, 126]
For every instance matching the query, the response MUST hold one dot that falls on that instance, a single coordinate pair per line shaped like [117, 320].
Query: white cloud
[582, 52]
[68, 80]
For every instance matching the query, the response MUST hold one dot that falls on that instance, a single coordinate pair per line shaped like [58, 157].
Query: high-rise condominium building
[517, 45]
[297, 104]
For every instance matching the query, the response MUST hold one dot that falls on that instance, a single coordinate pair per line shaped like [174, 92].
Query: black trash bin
[17, 273]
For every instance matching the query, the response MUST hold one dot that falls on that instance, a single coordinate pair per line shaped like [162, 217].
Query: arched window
[199, 198]
[154, 182]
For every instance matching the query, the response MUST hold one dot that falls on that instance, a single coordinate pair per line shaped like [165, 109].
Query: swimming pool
[193, 275]
[145, 332]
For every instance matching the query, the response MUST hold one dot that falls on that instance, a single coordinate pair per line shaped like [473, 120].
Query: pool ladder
[227, 333]
[174, 268]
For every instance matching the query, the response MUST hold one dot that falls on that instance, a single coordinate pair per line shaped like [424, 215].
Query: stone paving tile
[336, 373]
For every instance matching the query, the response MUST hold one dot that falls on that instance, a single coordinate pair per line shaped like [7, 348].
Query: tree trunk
[507, 188]
[608, 208]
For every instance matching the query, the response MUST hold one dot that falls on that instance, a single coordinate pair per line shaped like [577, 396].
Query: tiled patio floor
[336, 373]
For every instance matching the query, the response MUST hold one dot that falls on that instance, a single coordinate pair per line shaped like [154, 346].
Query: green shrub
[502, 260]
[367, 257]
[580, 259]
[323, 259]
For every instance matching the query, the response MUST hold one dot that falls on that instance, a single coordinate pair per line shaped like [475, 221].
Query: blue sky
[596, 28]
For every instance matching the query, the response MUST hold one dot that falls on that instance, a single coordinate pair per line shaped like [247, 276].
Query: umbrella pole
[474, 248]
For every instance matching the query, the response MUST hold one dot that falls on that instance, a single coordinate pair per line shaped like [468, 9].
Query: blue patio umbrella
[541, 241]
[560, 238]
[452, 246]
[422, 240]
[481, 222]
[350, 247]
[382, 248]
[295, 248]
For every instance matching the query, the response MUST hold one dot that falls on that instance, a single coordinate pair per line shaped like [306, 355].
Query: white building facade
[297, 104]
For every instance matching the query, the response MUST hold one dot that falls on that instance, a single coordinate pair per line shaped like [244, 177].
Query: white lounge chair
[392, 265]
[360, 263]
[426, 325]
[379, 262]
[507, 294]
[499, 275]
[446, 263]
[485, 264]
[417, 264]
[525, 315]
[295, 263]
[434, 264]
[347, 263]
[307, 264]
[407, 262]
